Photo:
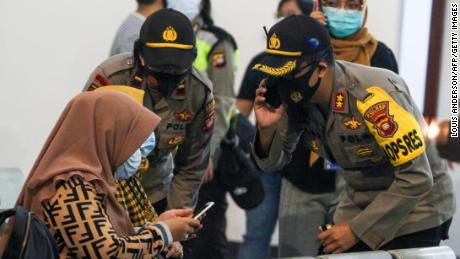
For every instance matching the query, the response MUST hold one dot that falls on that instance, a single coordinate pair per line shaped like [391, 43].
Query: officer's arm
[280, 150]
[221, 71]
[413, 179]
[192, 158]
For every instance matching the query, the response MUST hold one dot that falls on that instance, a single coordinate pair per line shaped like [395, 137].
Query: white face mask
[191, 8]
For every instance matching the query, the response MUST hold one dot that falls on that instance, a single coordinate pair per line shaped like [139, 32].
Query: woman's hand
[169, 214]
[183, 228]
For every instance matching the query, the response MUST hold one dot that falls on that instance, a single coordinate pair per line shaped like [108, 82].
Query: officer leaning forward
[162, 66]
[399, 194]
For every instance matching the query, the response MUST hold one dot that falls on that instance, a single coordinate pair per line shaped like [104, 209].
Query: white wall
[47, 49]
[415, 32]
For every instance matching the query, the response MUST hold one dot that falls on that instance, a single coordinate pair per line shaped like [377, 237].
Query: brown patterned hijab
[96, 133]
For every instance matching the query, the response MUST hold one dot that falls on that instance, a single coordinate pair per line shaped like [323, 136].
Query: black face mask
[297, 91]
[167, 83]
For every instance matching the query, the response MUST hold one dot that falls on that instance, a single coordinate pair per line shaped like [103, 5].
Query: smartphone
[203, 210]
[272, 97]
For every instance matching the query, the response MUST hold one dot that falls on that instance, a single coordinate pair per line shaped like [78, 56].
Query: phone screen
[203, 210]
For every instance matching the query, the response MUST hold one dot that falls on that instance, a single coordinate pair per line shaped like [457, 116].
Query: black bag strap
[20, 225]
[6, 214]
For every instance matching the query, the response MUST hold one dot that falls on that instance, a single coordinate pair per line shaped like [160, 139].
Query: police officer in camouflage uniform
[161, 65]
[399, 194]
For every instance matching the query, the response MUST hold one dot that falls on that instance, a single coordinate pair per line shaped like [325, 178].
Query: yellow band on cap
[168, 45]
[284, 53]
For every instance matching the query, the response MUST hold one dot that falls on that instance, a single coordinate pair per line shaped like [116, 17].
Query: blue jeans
[261, 221]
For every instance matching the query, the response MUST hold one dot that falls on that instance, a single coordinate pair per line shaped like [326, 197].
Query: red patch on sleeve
[98, 81]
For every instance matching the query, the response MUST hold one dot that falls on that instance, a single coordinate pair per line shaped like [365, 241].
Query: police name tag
[396, 131]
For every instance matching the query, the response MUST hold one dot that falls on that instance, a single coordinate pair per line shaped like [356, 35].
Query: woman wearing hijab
[345, 20]
[85, 187]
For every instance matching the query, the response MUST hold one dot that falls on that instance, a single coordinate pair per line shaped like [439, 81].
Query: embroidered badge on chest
[176, 140]
[364, 152]
[379, 115]
[183, 116]
[352, 123]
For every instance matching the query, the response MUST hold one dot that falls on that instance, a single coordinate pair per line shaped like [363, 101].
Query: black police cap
[167, 39]
[293, 38]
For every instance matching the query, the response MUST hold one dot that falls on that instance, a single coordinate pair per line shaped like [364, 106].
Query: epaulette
[117, 63]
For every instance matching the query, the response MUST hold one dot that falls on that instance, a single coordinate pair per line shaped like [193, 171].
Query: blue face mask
[343, 23]
[130, 166]
[148, 145]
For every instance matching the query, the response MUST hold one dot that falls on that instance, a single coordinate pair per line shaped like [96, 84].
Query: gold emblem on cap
[296, 96]
[274, 42]
[170, 34]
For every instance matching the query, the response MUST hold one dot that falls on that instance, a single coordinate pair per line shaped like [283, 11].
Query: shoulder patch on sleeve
[97, 81]
[396, 131]
[218, 59]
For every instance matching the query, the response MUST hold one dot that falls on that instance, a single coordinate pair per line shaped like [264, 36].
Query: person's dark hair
[306, 6]
[145, 1]
[329, 56]
[205, 12]
[326, 55]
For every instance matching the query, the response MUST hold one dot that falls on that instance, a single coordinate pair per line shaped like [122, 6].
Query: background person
[129, 30]
[345, 20]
